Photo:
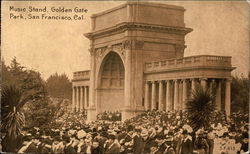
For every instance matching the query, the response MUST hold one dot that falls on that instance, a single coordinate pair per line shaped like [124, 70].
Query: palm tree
[200, 107]
[12, 118]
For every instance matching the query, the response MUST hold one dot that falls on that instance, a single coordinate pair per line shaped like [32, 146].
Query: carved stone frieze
[127, 44]
[100, 52]
[120, 47]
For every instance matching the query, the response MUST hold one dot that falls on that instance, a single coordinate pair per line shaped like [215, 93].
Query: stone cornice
[73, 80]
[161, 5]
[190, 68]
[138, 26]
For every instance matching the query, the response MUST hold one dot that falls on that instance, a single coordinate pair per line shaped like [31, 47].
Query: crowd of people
[110, 116]
[152, 132]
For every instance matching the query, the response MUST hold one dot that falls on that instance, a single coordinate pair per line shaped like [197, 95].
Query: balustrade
[202, 60]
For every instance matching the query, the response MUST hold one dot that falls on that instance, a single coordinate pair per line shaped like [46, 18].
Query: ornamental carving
[127, 44]
[100, 52]
[119, 47]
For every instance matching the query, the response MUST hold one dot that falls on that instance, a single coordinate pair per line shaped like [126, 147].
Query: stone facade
[137, 63]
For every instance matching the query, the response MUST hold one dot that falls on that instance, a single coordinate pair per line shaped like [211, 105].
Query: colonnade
[173, 94]
[80, 98]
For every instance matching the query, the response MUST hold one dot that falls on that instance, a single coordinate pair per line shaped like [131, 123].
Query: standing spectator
[68, 147]
[95, 149]
[137, 141]
[245, 143]
[186, 143]
[200, 144]
[113, 146]
[145, 142]
[210, 139]
[169, 146]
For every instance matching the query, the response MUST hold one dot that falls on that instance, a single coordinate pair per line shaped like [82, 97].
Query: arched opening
[111, 83]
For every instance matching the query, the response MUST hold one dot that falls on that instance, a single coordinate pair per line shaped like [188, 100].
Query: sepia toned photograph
[125, 77]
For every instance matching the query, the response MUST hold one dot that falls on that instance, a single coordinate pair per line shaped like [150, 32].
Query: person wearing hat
[86, 148]
[169, 149]
[112, 146]
[137, 141]
[154, 148]
[160, 139]
[95, 149]
[144, 141]
[200, 144]
[128, 140]
[68, 147]
[245, 143]
[186, 146]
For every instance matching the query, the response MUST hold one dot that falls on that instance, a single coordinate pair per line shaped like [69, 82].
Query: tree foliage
[59, 86]
[200, 108]
[240, 94]
[12, 118]
[28, 82]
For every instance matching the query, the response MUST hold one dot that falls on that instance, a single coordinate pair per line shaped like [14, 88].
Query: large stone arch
[110, 82]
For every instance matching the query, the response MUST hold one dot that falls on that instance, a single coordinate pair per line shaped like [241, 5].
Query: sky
[50, 46]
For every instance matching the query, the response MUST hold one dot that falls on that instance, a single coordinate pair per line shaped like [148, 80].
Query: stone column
[160, 107]
[73, 99]
[153, 101]
[211, 86]
[168, 96]
[85, 96]
[128, 81]
[184, 94]
[91, 113]
[146, 96]
[77, 99]
[218, 96]
[81, 99]
[193, 86]
[204, 83]
[180, 94]
[176, 94]
[228, 97]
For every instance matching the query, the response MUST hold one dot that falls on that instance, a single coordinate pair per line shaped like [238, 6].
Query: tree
[59, 86]
[12, 119]
[240, 94]
[200, 108]
[31, 86]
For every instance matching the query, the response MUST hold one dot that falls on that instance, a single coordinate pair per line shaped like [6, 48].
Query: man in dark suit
[113, 145]
[186, 143]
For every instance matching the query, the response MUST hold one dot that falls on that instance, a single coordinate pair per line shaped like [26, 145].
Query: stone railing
[189, 62]
[81, 75]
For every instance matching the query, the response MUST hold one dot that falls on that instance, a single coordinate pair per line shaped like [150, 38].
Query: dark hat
[130, 128]
[66, 138]
[170, 133]
[112, 137]
[225, 134]
[185, 132]
[57, 138]
[160, 137]
[245, 135]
